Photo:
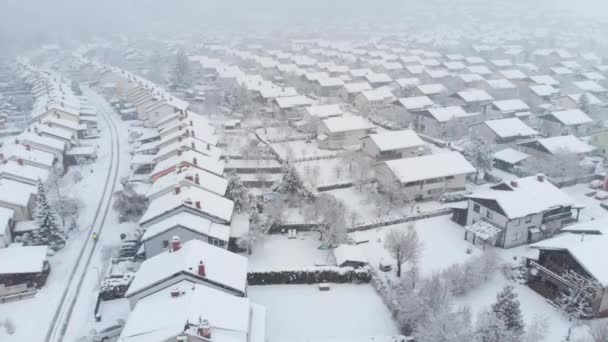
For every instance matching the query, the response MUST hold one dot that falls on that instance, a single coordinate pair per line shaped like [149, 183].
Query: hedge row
[312, 276]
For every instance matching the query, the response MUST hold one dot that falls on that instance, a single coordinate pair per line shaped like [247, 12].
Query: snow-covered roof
[571, 117]
[510, 127]
[443, 114]
[211, 164]
[347, 123]
[378, 94]
[530, 196]
[589, 251]
[35, 139]
[395, 140]
[511, 156]
[514, 105]
[15, 192]
[565, 143]
[469, 78]
[590, 86]
[346, 253]
[162, 316]
[474, 95]
[16, 259]
[357, 87]
[294, 101]
[430, 167]
[330, 82]
[195, 198]
[431, 89]
[12, 169]
[543, 90]
[206, 180]
[14, 151]
[513, 74]
[544, 79]
[501, 83]
[221, 267]
[191, 222]
[416, 102]
[324, 111]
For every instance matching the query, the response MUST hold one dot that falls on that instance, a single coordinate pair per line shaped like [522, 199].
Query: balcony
[555, 217]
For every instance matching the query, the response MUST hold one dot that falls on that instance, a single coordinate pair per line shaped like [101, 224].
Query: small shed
[349, 256]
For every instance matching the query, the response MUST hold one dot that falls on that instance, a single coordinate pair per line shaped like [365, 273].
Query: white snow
[16, 259]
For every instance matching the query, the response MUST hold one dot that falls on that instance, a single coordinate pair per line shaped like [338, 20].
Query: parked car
[109, 333]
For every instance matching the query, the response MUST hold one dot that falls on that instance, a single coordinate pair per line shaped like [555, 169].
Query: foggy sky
[23, 21]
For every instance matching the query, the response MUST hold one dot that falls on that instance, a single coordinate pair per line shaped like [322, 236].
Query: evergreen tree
[480, 156]
[48, 232]
[508, 311]
[290, 182]
[236, 191]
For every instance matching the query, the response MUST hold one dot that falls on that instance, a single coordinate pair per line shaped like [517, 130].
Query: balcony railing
[555, 217]
[547, 273]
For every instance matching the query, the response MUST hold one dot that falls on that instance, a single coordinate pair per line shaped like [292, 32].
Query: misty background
[28, 23]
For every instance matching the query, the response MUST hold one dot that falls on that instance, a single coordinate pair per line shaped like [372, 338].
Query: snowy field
[323, 172]
[443, 244]
[298, 149]
[277, 252]
[297, 312]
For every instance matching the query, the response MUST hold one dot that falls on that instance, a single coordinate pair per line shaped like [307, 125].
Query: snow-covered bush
[130, 204]
[311, 276]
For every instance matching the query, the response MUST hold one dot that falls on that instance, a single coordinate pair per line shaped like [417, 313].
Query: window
[528, 218]
[517, 221]
[489, 214]
[216, 242]
[165, 243]
[476, 208]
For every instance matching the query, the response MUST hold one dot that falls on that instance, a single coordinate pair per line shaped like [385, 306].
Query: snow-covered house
[567, 261]
[28, 155]
[393, 145]
[375, 98]
[350, 91]
[428, 176]
[290, 105]
[502, 131]
[341, 132]
[187, 175]
[197, 313]
[473, 100]
[187, 226]
[572, 101]
[557, 145]
[20, 172]
[321, 112]
[349, 256]
[19, 197]
[519, 211]
[509, 158]
[573, 121]
[599, 139]
[162, 108]
[23, 268]
[191, 199]
[507, 108]
[188, 158]
[195, 261]
[50, 145]
[443, 122]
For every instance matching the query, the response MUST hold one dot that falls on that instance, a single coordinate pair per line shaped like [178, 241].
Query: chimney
[179, 139]
[176, 243]
[198, 204]
[191, 123]
[176, 190]
[179, 153]
[204, 329]
[189, 178]
[513, 183]
[28, 147]
[174, 292]
[208, 147]
[540, 177]
[20, 161]
[193, 146]
[49, 124]
[201, 269]
[196, 180]
[582, 237]
[194, 161]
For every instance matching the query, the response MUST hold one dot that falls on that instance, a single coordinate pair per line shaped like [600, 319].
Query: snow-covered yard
[297, 149]
[323, 172]
[297, 312]
[443, 244]
[278, 252]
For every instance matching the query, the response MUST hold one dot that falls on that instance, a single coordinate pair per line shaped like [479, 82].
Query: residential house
[517, 212]
[222, 317]
[565, 263]
[187, 175]
[555, 146]
[428, 176]
[502, 131]
[23, 268]
[450, 122]
[393, 145]
[572, 121]
[195, 261]
[340, 132]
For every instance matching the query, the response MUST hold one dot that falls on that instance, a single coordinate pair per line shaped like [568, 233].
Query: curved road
[61, 317]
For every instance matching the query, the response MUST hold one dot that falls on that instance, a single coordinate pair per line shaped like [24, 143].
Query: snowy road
[69, 297]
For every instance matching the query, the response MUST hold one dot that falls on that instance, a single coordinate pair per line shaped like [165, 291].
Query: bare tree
[403, 246]
[599, 331]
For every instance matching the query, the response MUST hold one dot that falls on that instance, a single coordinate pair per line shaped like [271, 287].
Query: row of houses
[188, 227]
[59, 120]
